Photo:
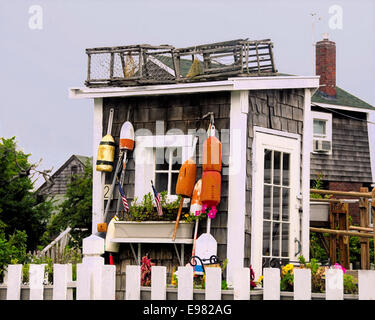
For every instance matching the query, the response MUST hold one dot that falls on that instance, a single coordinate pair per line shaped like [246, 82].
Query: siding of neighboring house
[348, 167]
[61, 178]
[274, 109]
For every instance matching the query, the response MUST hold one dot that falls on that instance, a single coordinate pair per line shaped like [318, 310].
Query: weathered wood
[364, 223]
[343, 193]
[341, 232]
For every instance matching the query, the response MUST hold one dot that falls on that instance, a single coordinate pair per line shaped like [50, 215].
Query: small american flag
[124, 201]
[157, 200]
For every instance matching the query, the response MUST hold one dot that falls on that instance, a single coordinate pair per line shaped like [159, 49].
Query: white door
[275, 217]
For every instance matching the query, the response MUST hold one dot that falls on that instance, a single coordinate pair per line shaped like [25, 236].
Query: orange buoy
[211, 188]
[211, 154]
[186, 178]
[196, 203]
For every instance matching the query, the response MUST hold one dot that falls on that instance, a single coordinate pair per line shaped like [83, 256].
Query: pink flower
[339, 266]
[204, 207]
[212, 213]
[197, 213]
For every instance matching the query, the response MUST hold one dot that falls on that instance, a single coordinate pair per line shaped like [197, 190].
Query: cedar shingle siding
[350, 159]
[274, 109]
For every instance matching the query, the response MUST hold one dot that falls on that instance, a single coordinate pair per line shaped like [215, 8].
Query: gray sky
[38, 66]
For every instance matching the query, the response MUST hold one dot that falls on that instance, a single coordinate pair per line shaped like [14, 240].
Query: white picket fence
[98, 282]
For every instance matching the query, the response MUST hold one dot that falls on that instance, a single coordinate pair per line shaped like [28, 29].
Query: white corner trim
[237, 183]
[371, 140]
[97, 176]
[306, 154]
[245, 83]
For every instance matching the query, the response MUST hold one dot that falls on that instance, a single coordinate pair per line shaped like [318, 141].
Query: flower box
[152, 229]
[319, 213]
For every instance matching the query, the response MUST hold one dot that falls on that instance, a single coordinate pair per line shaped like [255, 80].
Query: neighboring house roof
[343, 98]
[74, 157]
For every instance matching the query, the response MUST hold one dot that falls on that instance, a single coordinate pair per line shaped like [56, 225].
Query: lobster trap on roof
[146, 64]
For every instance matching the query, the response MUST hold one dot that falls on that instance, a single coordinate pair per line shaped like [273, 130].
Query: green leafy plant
[318, 184]
[350, 286]
[146, 209]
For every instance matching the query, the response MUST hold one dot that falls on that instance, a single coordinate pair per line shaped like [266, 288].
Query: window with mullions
[276, 220]
[167, 164]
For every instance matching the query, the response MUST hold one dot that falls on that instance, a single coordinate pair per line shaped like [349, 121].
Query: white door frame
[282, 141]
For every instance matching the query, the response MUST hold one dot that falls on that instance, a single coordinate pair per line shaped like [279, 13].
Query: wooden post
[332, 237]
[364, 222]
[213, 284]
[271, 284]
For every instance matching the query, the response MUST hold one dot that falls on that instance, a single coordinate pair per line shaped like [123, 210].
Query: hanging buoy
[186, 178]
[211, 177]
[196, 203]
[211, 154]
[211, 188]
[127, 136]
[106, 154]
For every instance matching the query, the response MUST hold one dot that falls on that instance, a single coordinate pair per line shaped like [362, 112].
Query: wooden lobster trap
[146, 64]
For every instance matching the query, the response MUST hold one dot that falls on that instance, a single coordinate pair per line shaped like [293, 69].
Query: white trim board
[246, 83]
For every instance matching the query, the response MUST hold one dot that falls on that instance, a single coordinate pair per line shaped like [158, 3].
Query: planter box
[152, 229]
[319, 214]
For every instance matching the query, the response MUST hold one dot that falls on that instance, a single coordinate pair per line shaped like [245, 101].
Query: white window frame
[144, 156]
[325, 117]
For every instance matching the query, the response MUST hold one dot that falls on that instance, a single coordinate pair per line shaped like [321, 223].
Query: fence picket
[36, 277]
[366, 284]
[302, 284]
[60, 281]
[213, 284]
[83, 282]
[133, 283]
[185, 283]
[271, 284]
[108, 282]
[14, 281]
[334, 284]
[241, 284]
[158, 283]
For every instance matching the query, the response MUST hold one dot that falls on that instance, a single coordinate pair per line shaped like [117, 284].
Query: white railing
[97, 281]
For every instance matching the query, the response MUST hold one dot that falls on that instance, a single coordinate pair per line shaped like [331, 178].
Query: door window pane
[267, 202]
[266, 237]
[285, 207]
[276, 167]
[285, 240]
[267, 165]
[276, 203]
[286, 170]
[161, 162]
[276, 239]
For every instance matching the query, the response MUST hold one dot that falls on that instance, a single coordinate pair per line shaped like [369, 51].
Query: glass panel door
[276, 201]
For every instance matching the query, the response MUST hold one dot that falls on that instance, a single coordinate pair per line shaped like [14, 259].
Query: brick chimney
[325, 56]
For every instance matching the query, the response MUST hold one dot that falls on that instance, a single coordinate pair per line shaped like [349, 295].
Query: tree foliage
[19, 209]
[76, 210]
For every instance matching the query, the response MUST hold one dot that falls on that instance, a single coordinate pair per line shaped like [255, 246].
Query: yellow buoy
[106, 154]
